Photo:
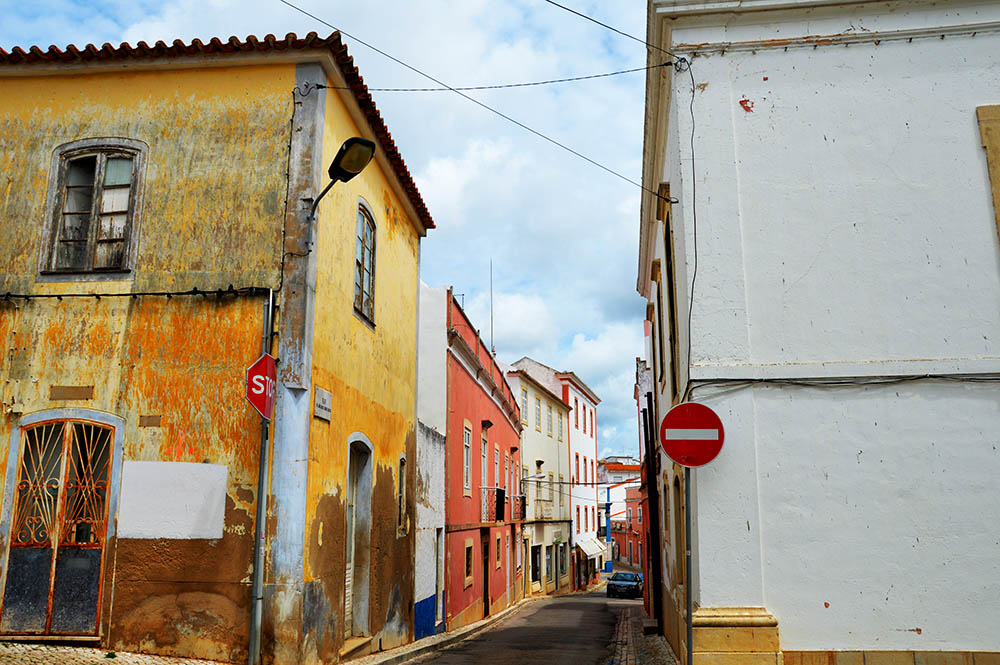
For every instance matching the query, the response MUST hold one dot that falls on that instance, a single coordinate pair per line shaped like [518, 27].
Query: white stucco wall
[430, 509]
[583, 495]
[432, 354]
[845, 229]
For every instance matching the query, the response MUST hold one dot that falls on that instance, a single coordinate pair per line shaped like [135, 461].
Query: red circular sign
[691, 434]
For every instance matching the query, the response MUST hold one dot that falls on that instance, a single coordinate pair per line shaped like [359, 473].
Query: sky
[562, 234]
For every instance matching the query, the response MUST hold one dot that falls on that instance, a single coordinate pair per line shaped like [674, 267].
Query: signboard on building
[323, 404]
[691, 434]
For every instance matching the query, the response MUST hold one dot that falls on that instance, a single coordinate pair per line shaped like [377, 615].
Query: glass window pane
[71, 256]
[110, 255]
[112, 226]
[118, 171]
[75, 227]
[81, 171]
[115, 199]
[359, 250]
[78, 199]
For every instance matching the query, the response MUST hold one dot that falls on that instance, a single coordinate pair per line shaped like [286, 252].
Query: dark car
[625, 585]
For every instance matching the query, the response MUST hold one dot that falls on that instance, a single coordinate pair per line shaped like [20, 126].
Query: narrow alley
[582, 629]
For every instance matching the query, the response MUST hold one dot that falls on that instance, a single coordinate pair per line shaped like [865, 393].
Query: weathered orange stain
[747, 105]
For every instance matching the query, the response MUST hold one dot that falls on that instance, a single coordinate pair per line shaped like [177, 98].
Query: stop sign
[261, 379]
[691, 434]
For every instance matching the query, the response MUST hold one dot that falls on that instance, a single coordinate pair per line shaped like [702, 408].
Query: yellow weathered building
[153, 198]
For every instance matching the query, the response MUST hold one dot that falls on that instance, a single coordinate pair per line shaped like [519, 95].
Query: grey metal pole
[257, 591]
[687, 564]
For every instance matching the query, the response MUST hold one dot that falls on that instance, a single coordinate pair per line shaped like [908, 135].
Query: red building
[484, 505]
[629, 534]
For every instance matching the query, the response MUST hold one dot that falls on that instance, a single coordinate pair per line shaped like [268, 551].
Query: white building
[845, 322]
[545, 483]
[432, 401]
[582, 459]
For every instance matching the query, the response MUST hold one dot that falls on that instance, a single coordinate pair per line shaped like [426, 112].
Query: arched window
[364, 265]
[96, 186]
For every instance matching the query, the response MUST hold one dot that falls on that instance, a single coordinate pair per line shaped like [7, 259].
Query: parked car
[625, 585]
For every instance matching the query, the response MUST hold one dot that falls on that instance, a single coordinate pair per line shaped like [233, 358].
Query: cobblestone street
[16, 653]
[632, 647]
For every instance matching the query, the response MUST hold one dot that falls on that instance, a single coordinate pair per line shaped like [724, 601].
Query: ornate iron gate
[58, 530]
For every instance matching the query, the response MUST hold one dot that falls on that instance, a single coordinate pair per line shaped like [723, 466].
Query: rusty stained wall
[183, 360]
[212, 216]
[371, 373]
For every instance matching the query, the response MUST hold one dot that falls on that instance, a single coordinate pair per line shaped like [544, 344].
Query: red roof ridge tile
[355, 83]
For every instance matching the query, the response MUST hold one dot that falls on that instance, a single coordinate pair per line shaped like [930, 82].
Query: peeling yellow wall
[212, 215]
[371, 373]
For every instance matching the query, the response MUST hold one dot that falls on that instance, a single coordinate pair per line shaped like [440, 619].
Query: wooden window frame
[467, 458]
[470, 562]
[989, 130]
[102, 148]
[367, 217]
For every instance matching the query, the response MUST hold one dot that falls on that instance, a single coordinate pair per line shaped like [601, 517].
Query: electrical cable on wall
[219, 293]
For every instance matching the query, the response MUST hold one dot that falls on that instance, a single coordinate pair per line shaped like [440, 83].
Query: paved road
[576, 629]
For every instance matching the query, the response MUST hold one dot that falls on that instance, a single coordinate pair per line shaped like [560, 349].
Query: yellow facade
[221, 212]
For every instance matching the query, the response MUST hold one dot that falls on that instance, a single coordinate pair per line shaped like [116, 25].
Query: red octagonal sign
[691, 434]
[261, 379]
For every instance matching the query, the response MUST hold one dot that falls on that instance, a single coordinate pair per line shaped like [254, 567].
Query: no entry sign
[261, 378]
[691, 434]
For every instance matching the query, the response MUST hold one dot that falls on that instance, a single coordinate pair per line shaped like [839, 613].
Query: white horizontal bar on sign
[692, 435]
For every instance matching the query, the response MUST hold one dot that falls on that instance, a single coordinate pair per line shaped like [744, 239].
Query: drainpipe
[257, 591]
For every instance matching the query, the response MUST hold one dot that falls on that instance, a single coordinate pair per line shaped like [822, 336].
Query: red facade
[484, 504]
[629, 531]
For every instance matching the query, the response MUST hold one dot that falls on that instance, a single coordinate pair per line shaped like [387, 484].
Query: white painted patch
[692, 435]
[177, 500]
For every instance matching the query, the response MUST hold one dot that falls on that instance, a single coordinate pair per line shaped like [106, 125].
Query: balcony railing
[494, 504]
[543, 509]
[517, 507]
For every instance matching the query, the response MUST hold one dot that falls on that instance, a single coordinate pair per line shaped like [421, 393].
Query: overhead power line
[614, 29]
[505, 85]
[475, 101]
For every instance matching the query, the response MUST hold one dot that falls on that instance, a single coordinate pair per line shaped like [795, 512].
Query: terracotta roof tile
[215, 46]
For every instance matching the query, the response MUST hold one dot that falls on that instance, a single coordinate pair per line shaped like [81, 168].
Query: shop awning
[591, 547]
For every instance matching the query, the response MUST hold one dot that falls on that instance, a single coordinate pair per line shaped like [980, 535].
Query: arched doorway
[358, 536]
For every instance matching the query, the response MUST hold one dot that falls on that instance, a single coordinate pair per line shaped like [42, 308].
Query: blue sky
[562, 234]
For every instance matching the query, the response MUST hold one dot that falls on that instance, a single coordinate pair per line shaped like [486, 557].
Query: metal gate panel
[26, 595]
[58, 530]
[76, 592]
[77, 588]
[29, 564]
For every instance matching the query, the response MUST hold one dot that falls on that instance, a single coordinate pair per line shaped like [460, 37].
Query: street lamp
[352, 158]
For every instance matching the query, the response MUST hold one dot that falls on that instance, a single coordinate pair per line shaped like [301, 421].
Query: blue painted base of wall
[424, 616]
